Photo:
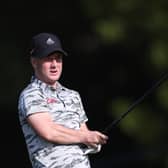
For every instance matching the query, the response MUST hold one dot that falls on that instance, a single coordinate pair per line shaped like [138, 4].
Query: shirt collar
[45, 86]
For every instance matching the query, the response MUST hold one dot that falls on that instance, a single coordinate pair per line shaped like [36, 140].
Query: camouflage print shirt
[65, 107]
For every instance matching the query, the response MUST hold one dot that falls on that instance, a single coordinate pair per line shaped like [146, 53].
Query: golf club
[134, 104]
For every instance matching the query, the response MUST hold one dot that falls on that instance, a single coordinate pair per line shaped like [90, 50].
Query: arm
[44, 126]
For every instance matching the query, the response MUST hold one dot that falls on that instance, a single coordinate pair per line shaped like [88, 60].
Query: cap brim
[56, 50]
[49, 51]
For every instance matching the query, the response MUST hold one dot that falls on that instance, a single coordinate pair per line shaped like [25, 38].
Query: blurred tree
[140, 27]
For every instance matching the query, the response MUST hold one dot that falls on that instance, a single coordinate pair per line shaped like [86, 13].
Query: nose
[53, 62]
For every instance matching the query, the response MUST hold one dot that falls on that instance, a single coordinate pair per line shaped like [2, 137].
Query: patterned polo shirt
[65, 107]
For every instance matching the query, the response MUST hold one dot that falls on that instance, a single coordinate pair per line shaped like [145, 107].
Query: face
[48, 69]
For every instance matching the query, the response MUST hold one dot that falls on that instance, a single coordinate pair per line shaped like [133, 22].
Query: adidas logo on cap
[50, 41]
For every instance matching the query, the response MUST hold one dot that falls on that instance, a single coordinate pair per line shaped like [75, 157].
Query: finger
[103, 140]
[93, 145]
[103, 136]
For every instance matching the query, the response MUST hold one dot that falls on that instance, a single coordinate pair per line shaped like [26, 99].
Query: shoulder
[70, 91]
[30, 91]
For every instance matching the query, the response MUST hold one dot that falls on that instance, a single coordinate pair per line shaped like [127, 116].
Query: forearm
[63, 135]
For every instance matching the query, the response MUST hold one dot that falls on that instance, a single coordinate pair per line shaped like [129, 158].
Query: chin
[54, 79]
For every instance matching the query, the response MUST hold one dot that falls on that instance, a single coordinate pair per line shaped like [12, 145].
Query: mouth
[53, 72]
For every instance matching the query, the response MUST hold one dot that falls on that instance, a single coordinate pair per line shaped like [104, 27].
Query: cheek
[42, 69]
[45, 67]
[58, 66]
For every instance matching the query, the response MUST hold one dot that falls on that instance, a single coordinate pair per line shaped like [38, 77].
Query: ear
[33, 62]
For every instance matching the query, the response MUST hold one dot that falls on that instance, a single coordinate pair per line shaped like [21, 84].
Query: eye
[59, 57]
[49, 58]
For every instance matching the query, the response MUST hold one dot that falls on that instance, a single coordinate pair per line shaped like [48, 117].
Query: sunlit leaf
[159, 53]
[110, 31]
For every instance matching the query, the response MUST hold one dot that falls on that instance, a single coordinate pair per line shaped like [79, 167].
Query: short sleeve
[32, 102]
[83, 116]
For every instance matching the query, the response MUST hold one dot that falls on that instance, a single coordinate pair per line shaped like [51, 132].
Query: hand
[93, 138]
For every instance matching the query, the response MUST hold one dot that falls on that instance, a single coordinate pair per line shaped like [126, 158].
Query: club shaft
[139, 100]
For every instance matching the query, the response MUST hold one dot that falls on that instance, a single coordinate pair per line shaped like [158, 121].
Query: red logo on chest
[51, 100]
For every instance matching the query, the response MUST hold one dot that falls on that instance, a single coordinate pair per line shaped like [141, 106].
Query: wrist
[81, 136]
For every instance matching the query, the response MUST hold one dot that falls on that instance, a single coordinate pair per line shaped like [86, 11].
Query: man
[52, 116]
